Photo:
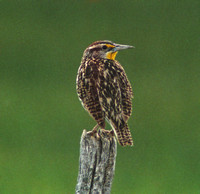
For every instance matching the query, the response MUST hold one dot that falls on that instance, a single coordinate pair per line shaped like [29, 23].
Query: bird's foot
[94, 131]
[106, 133]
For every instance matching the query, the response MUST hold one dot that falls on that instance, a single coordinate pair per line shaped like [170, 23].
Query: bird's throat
[111, 55]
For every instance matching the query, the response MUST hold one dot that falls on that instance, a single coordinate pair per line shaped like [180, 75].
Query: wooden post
[97, 162]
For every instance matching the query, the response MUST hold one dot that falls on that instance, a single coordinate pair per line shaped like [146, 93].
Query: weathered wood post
[97, 162]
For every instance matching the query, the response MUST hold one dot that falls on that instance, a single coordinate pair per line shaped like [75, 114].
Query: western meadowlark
[104, 89]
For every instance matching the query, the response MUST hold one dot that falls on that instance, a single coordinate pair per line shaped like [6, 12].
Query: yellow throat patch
[111, 55]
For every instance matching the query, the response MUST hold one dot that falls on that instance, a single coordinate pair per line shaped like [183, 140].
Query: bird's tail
[124, 136]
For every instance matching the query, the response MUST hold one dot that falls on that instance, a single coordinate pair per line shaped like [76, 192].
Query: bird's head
[104, 49]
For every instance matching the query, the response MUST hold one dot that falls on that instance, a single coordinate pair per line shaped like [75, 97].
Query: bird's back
[115, 96]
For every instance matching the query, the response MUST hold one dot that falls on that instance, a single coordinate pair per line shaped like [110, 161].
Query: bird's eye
[104, 47]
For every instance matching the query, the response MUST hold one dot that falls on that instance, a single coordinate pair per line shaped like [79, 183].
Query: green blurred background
[41, 118]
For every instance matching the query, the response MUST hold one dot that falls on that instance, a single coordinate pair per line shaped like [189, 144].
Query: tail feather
[124, 136]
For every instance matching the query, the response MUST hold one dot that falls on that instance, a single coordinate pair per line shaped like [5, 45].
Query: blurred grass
[41, 119]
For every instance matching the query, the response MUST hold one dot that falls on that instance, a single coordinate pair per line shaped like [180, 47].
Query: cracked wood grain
[96, 163]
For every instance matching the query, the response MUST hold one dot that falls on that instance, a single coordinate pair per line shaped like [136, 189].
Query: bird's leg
[94, 130]
[106, 133]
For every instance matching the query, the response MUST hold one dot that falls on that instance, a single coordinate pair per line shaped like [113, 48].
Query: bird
[104, 89]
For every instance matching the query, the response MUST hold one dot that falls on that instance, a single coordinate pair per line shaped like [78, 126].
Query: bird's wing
[110, 97]
[87, 93]
[126, 92]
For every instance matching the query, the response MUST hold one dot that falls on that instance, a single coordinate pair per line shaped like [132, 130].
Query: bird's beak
[119, 47]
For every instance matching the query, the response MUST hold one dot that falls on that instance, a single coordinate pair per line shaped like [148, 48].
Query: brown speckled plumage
[104, 89]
